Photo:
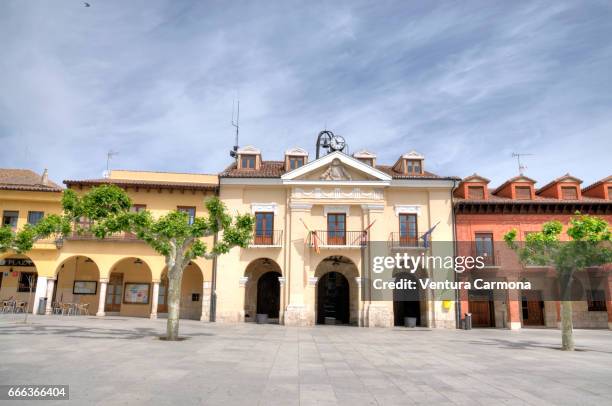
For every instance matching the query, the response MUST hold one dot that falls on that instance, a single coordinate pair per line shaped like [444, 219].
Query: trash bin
[467, 324]
[410, 321]
[261, 318]
[42, 305]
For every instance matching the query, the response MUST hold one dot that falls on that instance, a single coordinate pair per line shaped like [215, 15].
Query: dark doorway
[406, 302]
[482, 308]
[532, 308]
[268, 294]
[333, 298]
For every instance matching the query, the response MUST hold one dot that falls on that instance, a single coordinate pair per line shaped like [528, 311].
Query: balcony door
[408, 229]
[336, 229]
[484, 247]
[264, 228]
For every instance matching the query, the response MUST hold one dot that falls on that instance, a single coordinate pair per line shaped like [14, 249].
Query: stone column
[514, 309]
[206, 298]
[242, 283]
[281, 313]
[50, 285]
[296, 313]
[360, 307]
[154, 299]
[41, 290]
[102, 298]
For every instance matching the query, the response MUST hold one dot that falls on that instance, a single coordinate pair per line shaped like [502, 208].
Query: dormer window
[413, 167]
[295, 158]
[569, 193]
[366, 157]
[249, 157]
[476, 192]
[522, 192]
[248, 162]
[410, 164]
[295, 162]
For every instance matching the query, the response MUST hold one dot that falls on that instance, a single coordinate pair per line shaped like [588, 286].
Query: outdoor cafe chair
[20, 307]
[84, 309]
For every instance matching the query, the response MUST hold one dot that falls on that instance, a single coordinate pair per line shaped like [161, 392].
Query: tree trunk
[567, 328]
[175, 278]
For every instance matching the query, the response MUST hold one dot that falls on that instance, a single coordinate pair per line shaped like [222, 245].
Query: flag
[427, 234]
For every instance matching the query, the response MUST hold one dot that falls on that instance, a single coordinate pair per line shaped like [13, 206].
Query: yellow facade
[301, 202]
[286, 271]
[85, 258]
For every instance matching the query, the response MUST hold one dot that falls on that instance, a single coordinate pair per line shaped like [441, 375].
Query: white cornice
[264, 207]
[327, 159]
[337, 182]
[336, 209]
[407, 208]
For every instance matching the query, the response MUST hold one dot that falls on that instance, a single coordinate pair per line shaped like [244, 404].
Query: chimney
[44, 179]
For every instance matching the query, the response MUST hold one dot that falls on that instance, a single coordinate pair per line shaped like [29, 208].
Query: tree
[174, 235]
[588, 247]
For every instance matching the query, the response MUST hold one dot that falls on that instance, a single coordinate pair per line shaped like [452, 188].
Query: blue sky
[464, 83]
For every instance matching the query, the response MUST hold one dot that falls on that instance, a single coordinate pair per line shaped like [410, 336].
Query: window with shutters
[523, 192]
[569, 193]
[476, 192]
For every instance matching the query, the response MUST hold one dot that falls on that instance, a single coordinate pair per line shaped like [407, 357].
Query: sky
[464, 83]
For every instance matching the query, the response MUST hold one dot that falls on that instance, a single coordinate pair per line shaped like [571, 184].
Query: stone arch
[191, 292]
[19, 273]
[129, 288]
[337, 291]
[254, 292]
[77, 280]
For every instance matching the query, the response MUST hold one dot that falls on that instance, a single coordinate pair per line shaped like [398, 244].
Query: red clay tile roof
[269, 169]
[599, 182]
[25, 179]
[514, 179]
[142, 184]
[476, 177]
[559, 179]
[275, 169]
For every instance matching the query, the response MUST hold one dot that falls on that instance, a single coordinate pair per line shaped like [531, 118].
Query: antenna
[109, 155]
[236, 125]
[521, 167]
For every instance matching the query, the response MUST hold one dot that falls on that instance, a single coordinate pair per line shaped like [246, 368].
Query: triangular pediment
[336, 167]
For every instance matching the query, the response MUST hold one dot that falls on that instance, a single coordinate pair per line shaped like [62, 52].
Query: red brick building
[484, 215]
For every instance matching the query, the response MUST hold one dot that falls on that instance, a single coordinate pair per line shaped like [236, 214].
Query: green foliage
[588, 245]
[106, 210]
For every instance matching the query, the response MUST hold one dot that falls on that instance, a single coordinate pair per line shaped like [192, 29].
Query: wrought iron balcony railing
[267, 238]
[329, 238]
[399, 240]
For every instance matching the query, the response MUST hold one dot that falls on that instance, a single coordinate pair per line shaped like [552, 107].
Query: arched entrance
[337, 294]
[268, 294]
[18, 283]
[129, 288]
[333, 299]
[406, 302]
[77, 282]
[262, 290]
[191, 293]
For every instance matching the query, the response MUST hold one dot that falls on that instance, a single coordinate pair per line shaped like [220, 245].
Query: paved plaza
[120, 360]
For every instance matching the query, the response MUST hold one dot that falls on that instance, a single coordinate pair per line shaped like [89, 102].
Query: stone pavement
[119, 360]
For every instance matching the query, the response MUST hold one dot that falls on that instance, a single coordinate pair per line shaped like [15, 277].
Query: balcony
[338, 239]
[402, 241]
[267, 239]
